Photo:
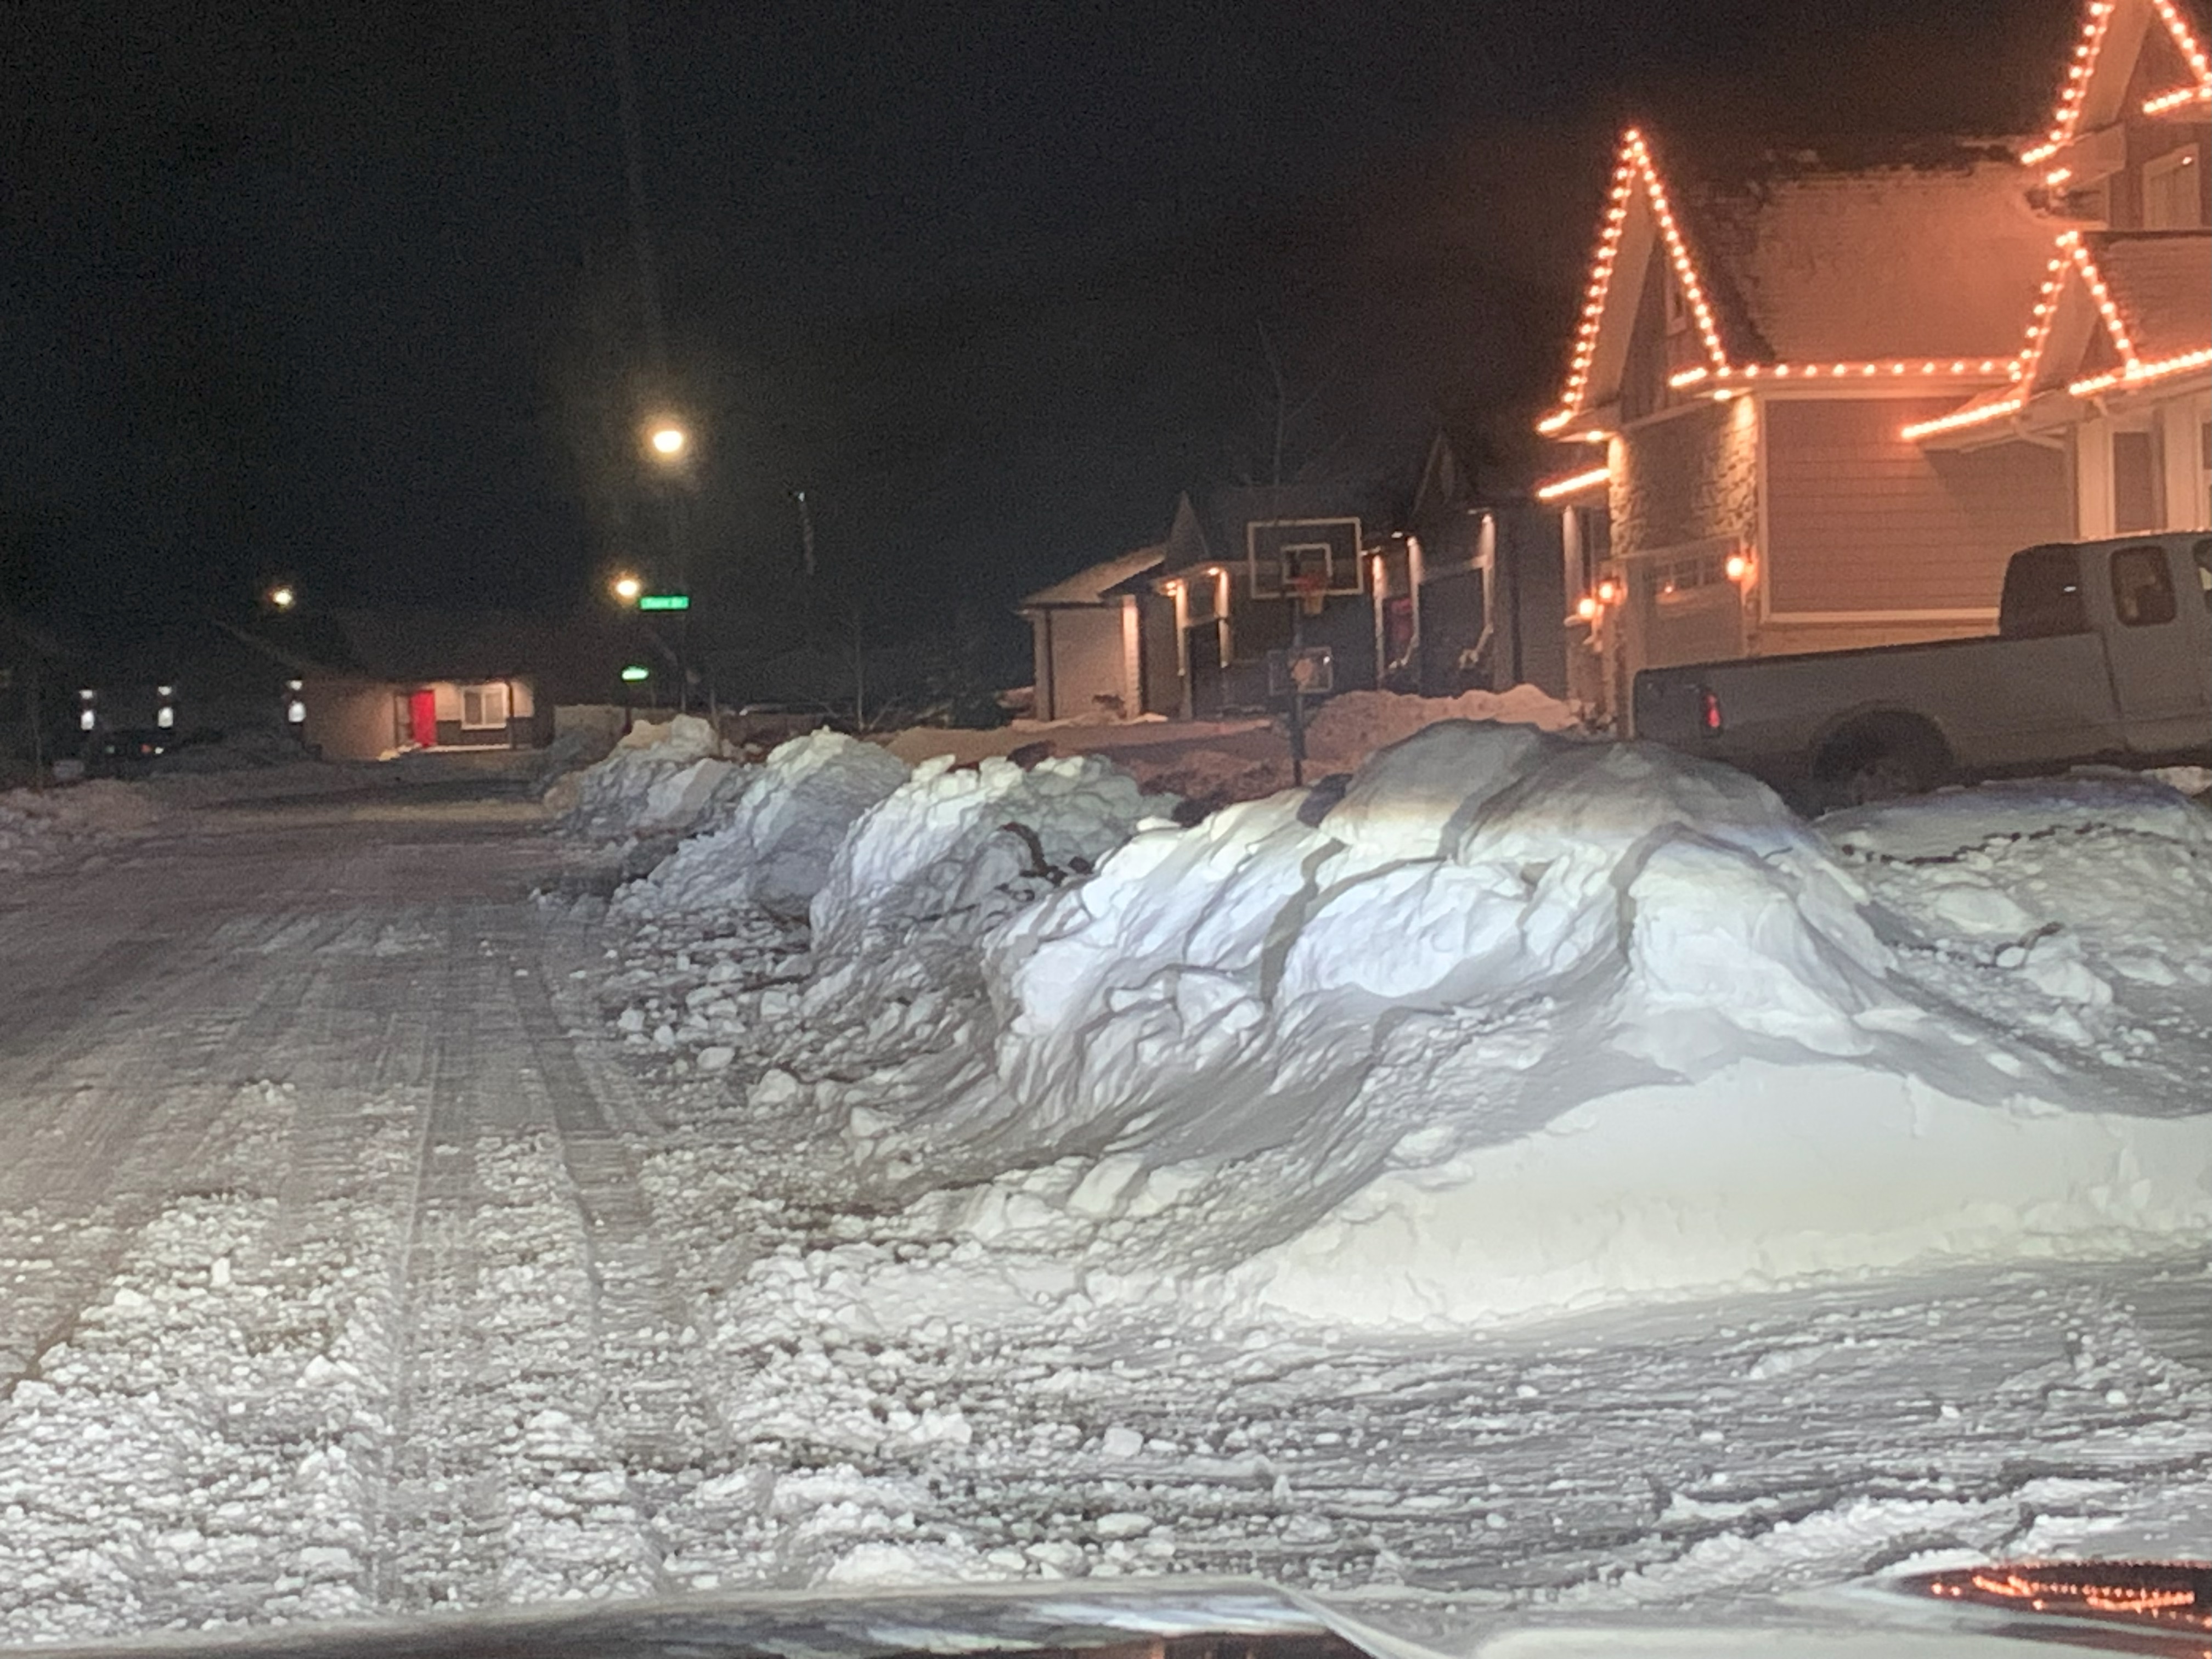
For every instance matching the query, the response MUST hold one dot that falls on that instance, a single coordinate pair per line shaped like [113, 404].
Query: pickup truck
[2103, 653]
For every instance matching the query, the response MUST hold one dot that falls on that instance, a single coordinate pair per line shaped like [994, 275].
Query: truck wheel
[1883, 761]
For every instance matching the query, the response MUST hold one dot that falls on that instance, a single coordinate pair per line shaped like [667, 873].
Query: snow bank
[37, 826]
[1521, 1024]
[1515, 1022]
[1353, 725]
[953, 846]
[772, 846]
[661, 777]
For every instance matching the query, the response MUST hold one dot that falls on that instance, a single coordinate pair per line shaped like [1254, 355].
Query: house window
[2138, 491]
[2142, 588]
[1680, 578]
[484, 707]
[2171, 191]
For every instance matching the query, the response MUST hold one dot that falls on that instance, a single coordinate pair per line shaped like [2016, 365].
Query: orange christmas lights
[1632, 168]
[2137, 373]
[2072, 96]
[2178, 98]
[1573, 484]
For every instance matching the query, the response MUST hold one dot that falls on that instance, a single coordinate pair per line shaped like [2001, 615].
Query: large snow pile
[41, 826]
[1353, 725]
[1519, 1022]
[661, 777]
[953, 845]
[772, 846]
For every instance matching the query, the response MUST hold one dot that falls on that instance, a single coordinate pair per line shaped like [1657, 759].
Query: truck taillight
[1709, 708]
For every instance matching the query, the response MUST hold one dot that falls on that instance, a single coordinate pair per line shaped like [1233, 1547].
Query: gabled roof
[2114, 34]
[1092, 585]
[1906, 272]
[2117, 309]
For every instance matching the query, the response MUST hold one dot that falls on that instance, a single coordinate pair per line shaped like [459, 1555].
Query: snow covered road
[352, 1262]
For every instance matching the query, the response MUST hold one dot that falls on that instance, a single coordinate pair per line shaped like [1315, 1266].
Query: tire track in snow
[504, 1484]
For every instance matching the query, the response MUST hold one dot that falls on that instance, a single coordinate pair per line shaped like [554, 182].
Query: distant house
[1831, 401]
[1086, 634]
[408, 679]
[1410, 582]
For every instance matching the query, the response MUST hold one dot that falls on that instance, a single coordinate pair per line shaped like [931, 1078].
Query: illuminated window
[482, 708]
[1680, 578]
[2171, 197]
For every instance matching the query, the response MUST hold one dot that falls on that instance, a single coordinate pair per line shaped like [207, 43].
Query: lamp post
[668, 444]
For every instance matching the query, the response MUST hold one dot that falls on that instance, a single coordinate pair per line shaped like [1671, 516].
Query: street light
[669, 440]
[626, 587]
[283, 597]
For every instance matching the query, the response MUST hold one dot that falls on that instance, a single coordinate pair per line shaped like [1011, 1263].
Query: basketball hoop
[1310, 588]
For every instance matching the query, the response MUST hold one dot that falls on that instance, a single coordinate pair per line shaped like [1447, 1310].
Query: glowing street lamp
[626, 587]
[283, 597]
[669, 440]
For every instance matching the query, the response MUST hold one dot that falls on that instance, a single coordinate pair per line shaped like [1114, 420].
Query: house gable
[2120, 43]
[1896, 279]
[1639, 221]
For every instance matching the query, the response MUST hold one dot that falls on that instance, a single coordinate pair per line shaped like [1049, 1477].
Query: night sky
[347, 292]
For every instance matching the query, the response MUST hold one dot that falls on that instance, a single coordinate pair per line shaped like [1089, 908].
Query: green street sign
[634, 674]
[664, 601]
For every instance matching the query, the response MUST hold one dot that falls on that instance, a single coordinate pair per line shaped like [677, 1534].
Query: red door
[422, 718]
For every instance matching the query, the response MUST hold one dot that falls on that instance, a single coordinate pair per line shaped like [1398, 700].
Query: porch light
[1738, 566]
[1586, 607]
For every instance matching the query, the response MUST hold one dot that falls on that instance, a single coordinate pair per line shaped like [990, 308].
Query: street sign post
[664, 601]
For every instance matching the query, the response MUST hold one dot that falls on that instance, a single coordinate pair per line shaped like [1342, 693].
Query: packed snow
[661, 777]
[1516, 1024]
[1528, 1171]
[41, 827]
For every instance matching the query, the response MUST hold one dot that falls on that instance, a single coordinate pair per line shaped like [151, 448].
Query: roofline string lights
[1955, 368]
[1632, 164]
[2073, 256]
[1573, 484]
[2192, 53]
[2079, 72]
[2021, 369]
[2076, 89]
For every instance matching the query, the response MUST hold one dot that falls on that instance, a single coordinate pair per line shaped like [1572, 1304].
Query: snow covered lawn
[1543, 1171]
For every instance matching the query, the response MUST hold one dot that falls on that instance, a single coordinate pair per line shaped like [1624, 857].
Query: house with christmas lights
[1826, 402]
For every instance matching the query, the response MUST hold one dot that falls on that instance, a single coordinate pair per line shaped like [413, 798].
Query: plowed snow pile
[1518, 1023]
[661, 777]
[41, 826]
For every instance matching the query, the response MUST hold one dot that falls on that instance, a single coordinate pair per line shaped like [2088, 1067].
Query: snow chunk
[773, 845]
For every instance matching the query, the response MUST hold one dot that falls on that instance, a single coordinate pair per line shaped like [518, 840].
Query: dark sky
[345, 290]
